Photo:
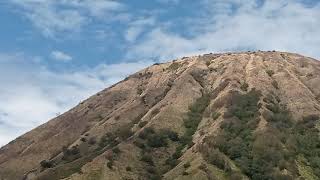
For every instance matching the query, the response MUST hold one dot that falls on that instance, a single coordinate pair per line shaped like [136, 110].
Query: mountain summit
[252, 115]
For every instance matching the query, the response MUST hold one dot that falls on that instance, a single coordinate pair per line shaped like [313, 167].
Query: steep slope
[247, 115]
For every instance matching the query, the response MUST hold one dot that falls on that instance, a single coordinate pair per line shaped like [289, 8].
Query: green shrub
[151, 170]
[275, 84]
[235, 176]
[155, 111]
[75, 150]
[155, 177]
[312, 118]
[245, 106]
[139, 90]
[108, 139]
[244, 86]
[215, 115]
[146, 133]
[125, 132]
[194, 116]
[215, 157]
[116, 150]
[187, 165]
[270, 72]
[70, 154]
[157, 140]
[172, 162]
[185, 173]
[92, 141]
[110, 164]
[173, 136]
[275, 108]
[46, 164]
[174, 66]
[178, 153]
[139, 144]
[147, 158]
[128, 168]
[143, 123]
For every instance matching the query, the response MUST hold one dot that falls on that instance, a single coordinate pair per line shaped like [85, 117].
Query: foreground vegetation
[268, 154]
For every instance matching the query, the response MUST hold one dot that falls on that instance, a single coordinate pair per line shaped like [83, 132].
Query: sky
[56, 53]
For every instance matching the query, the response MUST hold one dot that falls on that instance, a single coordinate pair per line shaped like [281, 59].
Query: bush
[108, 139]
[139, 144]
[235, 176]
[92, 141]
[215, 115]
[174, 66]
[110, 164]
[155, 111]
[270, 72]
[116, 150]
[146, 133]
[275, 108]
[245, 106]
[139, 90]
[185, 173]
[172, 162]
[46, 164]
[157, 140]
[125, 132]
[75, 150]
[147, 158]
[244, 86]
[215, 157]
[173, 136]
[312, 118]
[194, 116]
[143, 123]
[203, 167]
[186, 165]
[128, 168]
[151, 170]
[275, 84]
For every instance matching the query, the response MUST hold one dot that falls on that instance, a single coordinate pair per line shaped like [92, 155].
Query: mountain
[250, 115]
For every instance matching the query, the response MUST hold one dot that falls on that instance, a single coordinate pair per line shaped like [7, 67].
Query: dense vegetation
[191, 122]
[268, 154]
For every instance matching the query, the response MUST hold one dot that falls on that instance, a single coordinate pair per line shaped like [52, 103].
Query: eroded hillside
[235, 116]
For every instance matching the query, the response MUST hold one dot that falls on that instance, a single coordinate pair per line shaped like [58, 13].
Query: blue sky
[55, 53]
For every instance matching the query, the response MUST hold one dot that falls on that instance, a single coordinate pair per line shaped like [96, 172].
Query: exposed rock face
[217, 116]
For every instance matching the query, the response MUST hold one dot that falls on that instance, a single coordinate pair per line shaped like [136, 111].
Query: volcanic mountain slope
[252, 115]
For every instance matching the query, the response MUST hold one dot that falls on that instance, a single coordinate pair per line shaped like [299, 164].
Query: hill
[251, 115]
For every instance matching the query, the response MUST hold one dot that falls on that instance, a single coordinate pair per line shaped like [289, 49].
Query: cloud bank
[237, 26]
[53, 17]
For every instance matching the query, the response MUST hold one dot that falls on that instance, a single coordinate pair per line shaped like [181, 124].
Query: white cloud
[56, 16]
[285, 25]
[137, 27]
[60, 56]
[31, 94]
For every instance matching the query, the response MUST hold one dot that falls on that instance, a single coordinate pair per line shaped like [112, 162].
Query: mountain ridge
[157, 122]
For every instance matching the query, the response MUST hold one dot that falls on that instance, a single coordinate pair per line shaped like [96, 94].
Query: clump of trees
[194, 117]
[70, 154]
[264, 155]
[191, 122]
[46, 164]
